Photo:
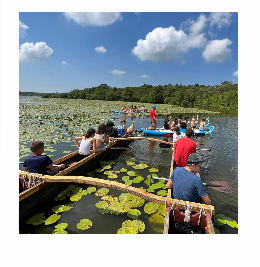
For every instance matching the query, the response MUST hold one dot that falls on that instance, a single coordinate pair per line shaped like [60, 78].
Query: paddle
[162, 145]
[20, 162]
[167, 135]
[221, 186]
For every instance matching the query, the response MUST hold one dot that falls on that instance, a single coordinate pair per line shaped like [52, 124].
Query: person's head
[110, 124]
[90, 132]
[183, 125]
[189, 132]
[193, 118]
[176, 129]
[168, 116]
[102, 128]
[195, 162]
[154, 107]
[37, 147]
[123, 121]
[186, 118]
[203, 119]
[180, 116]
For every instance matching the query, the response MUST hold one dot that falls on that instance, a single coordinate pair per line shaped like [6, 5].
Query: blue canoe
[161, 131]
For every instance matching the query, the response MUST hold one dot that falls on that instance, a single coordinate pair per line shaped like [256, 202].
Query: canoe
[198, 222]
[124, 112]
[34, 192]
[161, 131]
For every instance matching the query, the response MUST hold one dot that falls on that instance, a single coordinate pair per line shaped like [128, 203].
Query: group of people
[93, 141]
[135, 109]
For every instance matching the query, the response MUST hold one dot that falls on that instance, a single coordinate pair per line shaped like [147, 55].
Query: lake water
[222, 165]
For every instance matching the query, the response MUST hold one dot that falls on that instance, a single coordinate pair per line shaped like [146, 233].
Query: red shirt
[153, 115]
[183, 148]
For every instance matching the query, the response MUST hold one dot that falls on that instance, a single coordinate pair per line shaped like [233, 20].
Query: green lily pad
[108, 167]
[131, 173]
[221, 219]
[91, 190]
[137, 179]
[76, 197]
[126, 230]
[61, 226]
[150, 208]
[60, 232]
[162, 193]
[123, 170]
[129, 162]
[52, 219]
[62, 208]
[153, 170]
[76, 189]
[136, 225]
[84, 224]
[140, 166]
[133, 213]
[125, 178]
[108, 172]
[129, 182]
[36, 219]
[101, 192]
[112, 176]
[157, 223]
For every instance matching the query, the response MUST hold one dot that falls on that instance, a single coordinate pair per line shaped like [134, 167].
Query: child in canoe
[102, 139]
[123, 130]
[38, 163]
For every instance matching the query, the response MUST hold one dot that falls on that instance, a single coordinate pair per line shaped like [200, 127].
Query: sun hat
[154, 106]
[195, 158]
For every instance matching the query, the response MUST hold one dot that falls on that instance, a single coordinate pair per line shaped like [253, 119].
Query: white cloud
[144, 76]
[64, 63]
[235, 73]
[34, 52]
[93, 18]
[167, 44]
[220, 19]
[100, 49]
[118, 72]
[199, 25]
[22, 29]
[218, 51]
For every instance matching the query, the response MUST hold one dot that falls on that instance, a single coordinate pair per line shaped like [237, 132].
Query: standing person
[186, 182]
[179, 119]
[123, 130]
[186, 120]
[203, 124]
[154, 122]
[194, 122]
[182, 149]
[167, 122]
[87, 142]
[102, 139]
[38, 163]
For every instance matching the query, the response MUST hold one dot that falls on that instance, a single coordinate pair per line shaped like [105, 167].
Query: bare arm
[76, 139]
[106, 139]
[56, 169]
[206, 199]
[169, 184]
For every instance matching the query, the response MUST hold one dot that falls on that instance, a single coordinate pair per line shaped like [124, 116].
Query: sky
[62, 51]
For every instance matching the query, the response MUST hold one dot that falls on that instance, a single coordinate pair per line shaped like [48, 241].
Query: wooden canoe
[199, 222]
[34, 193]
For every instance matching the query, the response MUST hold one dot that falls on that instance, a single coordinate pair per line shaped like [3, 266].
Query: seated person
[102, 139]
[203, 124]
[167, 122]
[111, 130]
[123, 130]
[183, 127]
[38, 163]
[177, 134]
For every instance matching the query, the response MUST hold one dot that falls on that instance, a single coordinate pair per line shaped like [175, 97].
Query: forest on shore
[223, 96]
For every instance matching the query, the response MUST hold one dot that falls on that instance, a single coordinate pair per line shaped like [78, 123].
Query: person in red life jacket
[38, 163]
[154, 122]
[182, 149]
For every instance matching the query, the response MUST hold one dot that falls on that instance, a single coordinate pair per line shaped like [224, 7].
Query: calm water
[222, 165]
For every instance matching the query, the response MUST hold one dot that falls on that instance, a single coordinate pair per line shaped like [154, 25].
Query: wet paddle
[162, 145]
[221, 186]
[167, 135]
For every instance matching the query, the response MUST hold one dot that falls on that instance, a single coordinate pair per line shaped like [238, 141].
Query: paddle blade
[162, 145]
[221, 186]
[167, 135]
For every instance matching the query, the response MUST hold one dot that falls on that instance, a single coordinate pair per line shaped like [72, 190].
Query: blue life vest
[121, 130]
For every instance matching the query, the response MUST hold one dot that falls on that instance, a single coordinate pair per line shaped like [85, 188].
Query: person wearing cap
[154, 122]
[182, 149]
[186, 184]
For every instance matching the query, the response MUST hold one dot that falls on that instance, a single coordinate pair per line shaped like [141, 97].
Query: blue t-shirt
[187, 186]
[121, 129]
[37, 163]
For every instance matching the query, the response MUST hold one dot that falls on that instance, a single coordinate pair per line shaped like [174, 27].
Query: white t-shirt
[84, 148]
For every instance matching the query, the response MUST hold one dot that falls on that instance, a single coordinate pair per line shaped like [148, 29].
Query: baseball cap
[154, 106]
[195, 158]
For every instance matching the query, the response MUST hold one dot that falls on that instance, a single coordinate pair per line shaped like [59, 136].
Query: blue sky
[59, 52]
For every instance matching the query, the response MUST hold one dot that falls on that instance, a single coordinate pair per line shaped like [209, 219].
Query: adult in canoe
[102, 139]
[203, 124]
[182, 149]
[111, 130]
[186, 184]
[166, 125]
[38, 163]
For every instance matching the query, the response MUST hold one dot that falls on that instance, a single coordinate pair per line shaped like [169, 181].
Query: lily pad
[162, 193]
[62, 208]
[112, 176]
[157, 223]
[123, 170]
[153, 170]
[60, 232]
[61, 226]
[136, 225]
[76, 197]
[221, 219]
[91, 189]
[84, 224]
[125, 178]
[133, 213]
[129, 182]
[52, 219]
[129, 162]
[150, 208]
[140, 166]
[36, 219]
[101, 192]
[131, 173]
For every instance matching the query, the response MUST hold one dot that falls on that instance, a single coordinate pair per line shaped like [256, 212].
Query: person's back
[121, 129]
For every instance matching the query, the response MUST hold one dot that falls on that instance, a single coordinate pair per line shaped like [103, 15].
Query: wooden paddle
[221, 186]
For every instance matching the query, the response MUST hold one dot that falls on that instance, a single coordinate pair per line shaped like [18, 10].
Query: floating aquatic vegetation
[76, 189]
[101, 192]
[157, 223]
[59, 228]
[140, 166]
[134, 201]
[91, 189]
[84, 224]
[108, 172]
[129, 182]
[36, 219]
[153, 170]
[221, 219]
[131, 227]
[76, 197]
[62, 208]
[150, 208]
[138, 179]
[123, 170]
[131, 173]
[125, 178]
[161, 210]
[162, 193]
[112, 176]
[133, 213]
[52, 219]
[130, 162]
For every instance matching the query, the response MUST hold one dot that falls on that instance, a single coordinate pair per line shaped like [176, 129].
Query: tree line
[221, 96]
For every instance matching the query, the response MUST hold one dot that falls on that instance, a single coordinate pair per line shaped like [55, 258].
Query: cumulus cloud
[64, 63]
[34, 52]
[167, 44]
[144, 76]
[93, 18]
[22, 29]
[218, 51]
[220, 19]
[100, 49]
[195, 27]
[235, 73]
[118, 72]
